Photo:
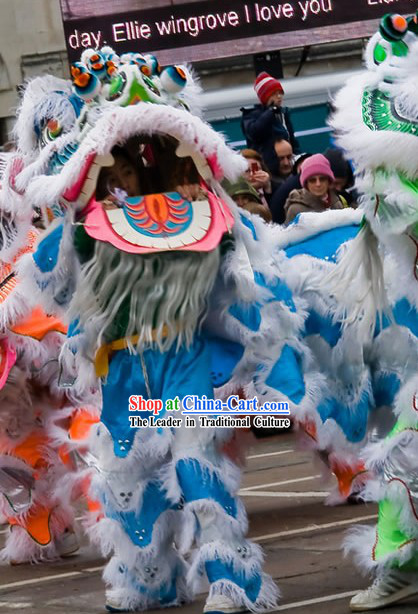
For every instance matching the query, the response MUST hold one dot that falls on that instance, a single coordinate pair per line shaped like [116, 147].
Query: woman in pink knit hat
[317, 193]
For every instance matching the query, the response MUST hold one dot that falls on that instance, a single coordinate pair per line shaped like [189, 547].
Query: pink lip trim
[8, 359]
[71, 194]
[215, 167]
[16, 167]
[98, 227]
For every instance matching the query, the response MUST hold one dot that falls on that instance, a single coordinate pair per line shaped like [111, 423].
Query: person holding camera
[257, 175]
[269, 121]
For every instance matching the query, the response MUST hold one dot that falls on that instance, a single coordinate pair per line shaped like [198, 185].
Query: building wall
[32, 43]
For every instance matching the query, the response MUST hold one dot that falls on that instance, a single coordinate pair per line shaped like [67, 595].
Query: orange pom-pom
[145, 70]
[110, 67]
[52, 125]
[399, 23]
[82, 80]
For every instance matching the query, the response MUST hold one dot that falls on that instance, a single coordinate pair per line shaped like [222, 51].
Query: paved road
[301, 537]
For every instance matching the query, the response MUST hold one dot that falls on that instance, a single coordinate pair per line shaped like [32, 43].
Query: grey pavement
[301, 537]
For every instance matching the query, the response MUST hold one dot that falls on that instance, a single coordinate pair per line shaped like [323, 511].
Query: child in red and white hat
[269, 121]
[269, 90]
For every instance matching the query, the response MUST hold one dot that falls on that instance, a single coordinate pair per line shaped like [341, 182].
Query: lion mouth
[162, 164]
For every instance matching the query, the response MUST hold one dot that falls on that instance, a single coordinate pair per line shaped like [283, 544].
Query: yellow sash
[101, 360]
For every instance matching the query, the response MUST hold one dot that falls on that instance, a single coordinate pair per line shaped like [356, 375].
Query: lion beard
[167, 294]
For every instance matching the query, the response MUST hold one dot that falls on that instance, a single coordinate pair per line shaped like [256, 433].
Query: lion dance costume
[166, 294]
[31, 467]
[378, 128]
[38, 476]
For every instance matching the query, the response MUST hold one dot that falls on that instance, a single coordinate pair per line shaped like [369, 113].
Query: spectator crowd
[280, 181]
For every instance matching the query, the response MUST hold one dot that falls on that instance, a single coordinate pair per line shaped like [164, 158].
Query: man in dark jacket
[269, 121]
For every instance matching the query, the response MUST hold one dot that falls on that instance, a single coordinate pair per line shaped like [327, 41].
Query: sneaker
[113, 607]
[392, 587]
[67, 544]
[355, 499]
[220, 604]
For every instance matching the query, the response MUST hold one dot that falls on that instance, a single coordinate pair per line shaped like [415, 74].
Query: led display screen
[208, 29]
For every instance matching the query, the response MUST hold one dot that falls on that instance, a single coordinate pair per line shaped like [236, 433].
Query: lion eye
[117, 86]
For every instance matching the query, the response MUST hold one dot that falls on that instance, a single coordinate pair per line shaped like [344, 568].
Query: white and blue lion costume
[168, 296]
[175, 300]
